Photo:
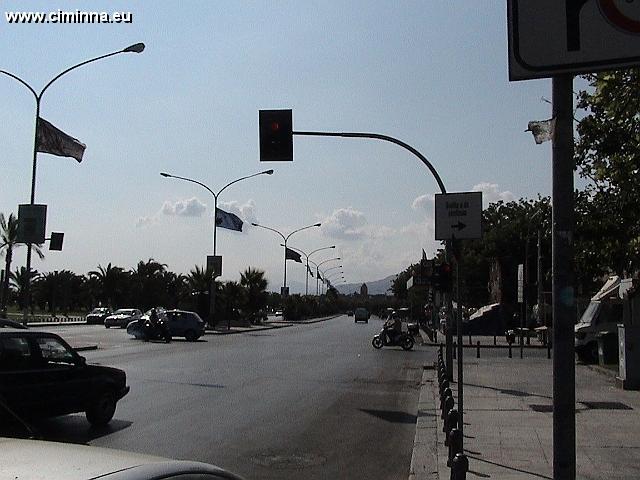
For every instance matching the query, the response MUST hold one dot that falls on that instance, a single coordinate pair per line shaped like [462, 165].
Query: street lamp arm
[330, 260]
[15, 77]
[168, 175]
[128, 49]
[268, 228]
[386, 138]
[266, 172]
[300, 229]
[324, 248]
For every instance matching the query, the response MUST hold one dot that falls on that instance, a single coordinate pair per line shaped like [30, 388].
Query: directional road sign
[550, 37]
[458, 215]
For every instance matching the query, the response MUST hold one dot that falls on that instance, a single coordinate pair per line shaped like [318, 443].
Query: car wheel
[190, 336]
[101, 410]
[106, 326]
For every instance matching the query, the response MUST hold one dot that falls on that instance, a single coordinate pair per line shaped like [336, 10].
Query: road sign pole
[564, 422]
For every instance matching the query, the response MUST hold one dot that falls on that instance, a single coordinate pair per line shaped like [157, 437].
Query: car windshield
[281, 182]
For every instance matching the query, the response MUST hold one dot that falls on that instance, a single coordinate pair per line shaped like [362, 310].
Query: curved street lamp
[306, 287]
[318, 271]
[284, 283]
[215, 195]
[136, 48]
[212, 296]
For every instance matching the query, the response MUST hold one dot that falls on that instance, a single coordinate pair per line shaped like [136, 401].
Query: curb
[424, 458]
[232, 332]
[84, 348]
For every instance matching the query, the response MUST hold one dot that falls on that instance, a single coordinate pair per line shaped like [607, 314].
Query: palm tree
[232, 297]
[113, 281]
[198, 284]
[8, 242]
[21, 282]
[147, 283]
[255, 291]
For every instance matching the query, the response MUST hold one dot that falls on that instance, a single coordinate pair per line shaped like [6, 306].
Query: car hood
[41, 460]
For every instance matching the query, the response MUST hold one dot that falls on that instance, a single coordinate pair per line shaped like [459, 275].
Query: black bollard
[470, 339]
[448, 405]
[445, 393]
[459, 467]
[450, 422]
[494, 340]
[478, 349]
[455, 445]
[510, 354]
[548, 350]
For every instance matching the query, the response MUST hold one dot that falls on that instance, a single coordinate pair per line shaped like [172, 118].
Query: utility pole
[564, 401]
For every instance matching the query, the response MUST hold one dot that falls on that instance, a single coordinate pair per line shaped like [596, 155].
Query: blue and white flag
[228, 220]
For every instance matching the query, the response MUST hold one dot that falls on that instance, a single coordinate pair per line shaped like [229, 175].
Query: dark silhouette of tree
[8, 243]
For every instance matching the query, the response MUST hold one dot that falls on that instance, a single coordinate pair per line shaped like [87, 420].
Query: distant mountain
[377, 287]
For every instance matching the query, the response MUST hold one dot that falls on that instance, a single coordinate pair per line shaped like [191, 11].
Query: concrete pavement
[508, 424]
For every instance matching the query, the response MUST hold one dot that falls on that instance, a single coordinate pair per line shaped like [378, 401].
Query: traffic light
[276, 135]
[55, 242]
[442, 277]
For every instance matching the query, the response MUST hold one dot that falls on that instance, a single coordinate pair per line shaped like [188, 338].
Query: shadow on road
[393, 416]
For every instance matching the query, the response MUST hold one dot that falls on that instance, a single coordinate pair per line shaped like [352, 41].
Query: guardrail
[46, 318]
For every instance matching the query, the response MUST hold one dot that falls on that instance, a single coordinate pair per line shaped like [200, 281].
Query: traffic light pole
[423, 159]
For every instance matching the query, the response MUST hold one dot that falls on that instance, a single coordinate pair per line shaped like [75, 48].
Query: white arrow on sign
[458, 215]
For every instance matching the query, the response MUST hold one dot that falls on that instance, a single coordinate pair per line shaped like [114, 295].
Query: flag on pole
[310, 272]
[542, 131]
[228, 220]
[424, 254]
[54, 141]
[292, 255]
[319, 277]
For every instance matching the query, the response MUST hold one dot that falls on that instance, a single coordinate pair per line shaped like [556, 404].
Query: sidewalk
[508, 425]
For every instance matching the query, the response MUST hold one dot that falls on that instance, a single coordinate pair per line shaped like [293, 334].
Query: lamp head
[165, 174]
[268, 172]
[137, 48]
[317, 224]
[255, 224]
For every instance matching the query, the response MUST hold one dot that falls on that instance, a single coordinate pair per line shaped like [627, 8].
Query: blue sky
[431, 73]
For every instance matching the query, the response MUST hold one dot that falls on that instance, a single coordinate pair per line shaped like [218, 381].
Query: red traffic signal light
[276, 135]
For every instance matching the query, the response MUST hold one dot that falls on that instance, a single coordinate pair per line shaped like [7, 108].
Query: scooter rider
[393, 328]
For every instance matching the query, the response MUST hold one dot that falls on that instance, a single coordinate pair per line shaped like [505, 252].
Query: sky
[433, 74]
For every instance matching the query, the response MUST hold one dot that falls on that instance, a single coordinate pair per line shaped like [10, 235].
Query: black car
[42, 376]
[97, 316]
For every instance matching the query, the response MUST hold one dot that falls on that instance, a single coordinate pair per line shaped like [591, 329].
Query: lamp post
[306, 286]
[212, 295]
[284, 283]
[215, 195]
[136, 48]
[318, 271]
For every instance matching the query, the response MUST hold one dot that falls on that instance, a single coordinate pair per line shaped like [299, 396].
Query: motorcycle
[386, 339]
[158, 330]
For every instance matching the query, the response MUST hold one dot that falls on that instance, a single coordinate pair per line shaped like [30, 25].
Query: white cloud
[191, 207]
[491, 193]
[424, 203]
[246, 211]
[145, 221]
[345, 223]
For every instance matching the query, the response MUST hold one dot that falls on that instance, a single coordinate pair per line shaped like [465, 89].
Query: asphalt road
[311, 401]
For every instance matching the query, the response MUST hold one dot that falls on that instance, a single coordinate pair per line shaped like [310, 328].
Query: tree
[21, 281]
[198, 283]
[113, 283]
[8, 243]
[147, 283]
[255, 286]
[607, 153]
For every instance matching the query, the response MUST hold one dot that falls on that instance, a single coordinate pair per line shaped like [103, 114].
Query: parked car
[122, 317]
[97, 316]
[42, 376]
[361, 315]
[349, 313]
[66, 461]
[181, 324]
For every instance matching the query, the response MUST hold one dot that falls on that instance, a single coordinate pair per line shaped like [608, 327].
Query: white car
[40, 460]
